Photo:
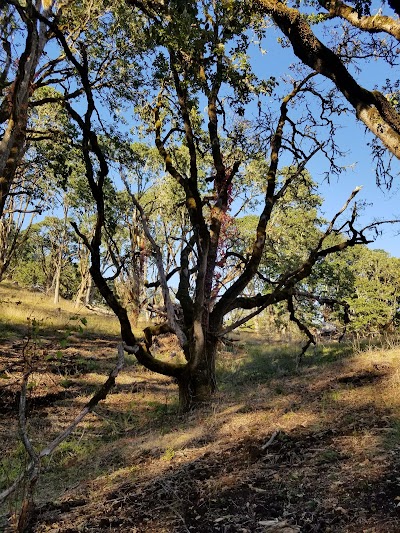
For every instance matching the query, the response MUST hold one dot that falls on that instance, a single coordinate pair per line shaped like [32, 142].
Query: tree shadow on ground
[264, 361]
[301, 478]
[316, 447]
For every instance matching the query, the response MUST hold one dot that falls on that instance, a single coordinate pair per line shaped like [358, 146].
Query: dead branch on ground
[31, 471]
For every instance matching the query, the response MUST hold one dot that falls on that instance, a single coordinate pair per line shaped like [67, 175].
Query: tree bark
[81, 291]
[89, 290]
[57, 282]
[12, 143]
[197, 385]
[372, 24]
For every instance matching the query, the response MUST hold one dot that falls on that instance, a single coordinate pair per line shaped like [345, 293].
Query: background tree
[295, 228]
[38, 262]
[368, 280]
[15, 224]
[189, 49]
[31, 69]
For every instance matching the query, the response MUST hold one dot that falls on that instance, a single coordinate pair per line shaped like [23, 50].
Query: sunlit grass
[257, 360]
[262, 389]
[20, 307]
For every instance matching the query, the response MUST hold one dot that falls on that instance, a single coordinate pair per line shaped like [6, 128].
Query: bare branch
[226, 301]
[101, 394]
[160, 267]
[302, 327]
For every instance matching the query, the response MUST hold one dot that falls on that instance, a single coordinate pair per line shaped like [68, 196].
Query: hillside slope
[311, 450]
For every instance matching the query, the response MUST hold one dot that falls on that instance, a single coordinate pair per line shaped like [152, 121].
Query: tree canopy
[183, 164]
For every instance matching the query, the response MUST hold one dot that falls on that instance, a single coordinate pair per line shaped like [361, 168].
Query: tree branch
[226, 301]
[302, 327]
[372, 24]
[371, 107]
[101, 394]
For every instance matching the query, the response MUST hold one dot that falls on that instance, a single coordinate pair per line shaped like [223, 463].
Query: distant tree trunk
[57, 286]
[3, 248]
[83, 256]
[85, 292]
[57, 277]
[128, 290]
[131, 282]
[81, 297]
[11, 239]
[81, 292]
[135, 281]
[89, 290]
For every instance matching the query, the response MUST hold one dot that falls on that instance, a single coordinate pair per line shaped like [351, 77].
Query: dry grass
[135, 463]
[19, 307]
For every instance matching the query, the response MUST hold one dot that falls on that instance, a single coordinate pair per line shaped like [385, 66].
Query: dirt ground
[313, 450]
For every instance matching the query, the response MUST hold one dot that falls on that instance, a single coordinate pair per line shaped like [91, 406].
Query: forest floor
[280, 449]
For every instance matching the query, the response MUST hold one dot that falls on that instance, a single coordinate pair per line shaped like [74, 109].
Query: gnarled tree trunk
[197, 385]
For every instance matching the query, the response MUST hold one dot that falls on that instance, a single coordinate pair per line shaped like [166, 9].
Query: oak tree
[218, 127]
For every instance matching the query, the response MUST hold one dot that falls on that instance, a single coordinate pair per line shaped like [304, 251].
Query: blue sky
[353, 138]
[380, 203]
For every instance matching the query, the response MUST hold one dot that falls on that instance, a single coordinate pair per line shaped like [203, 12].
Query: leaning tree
[376, 110]
[217, 128]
